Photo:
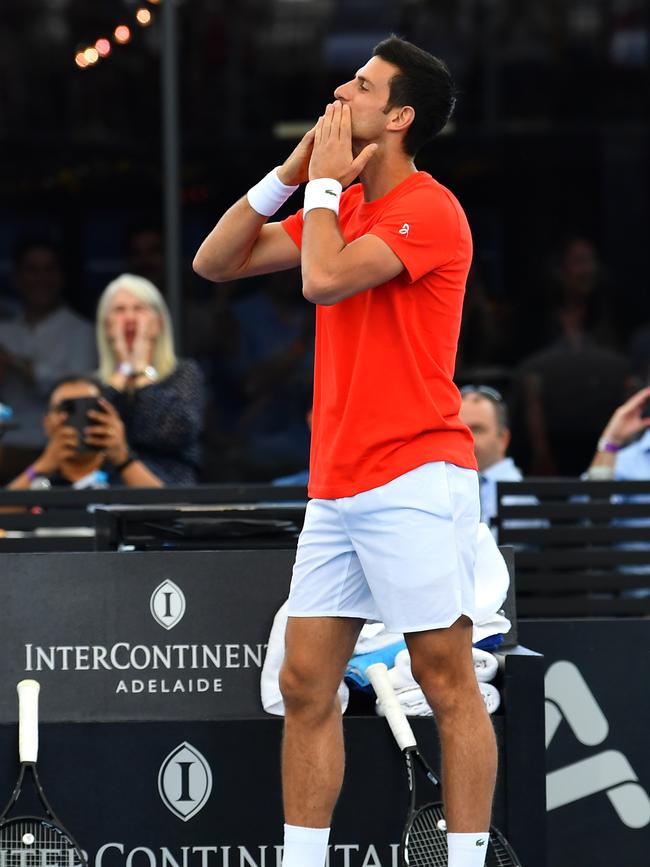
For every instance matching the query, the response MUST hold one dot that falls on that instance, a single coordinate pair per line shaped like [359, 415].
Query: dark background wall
[549, 141]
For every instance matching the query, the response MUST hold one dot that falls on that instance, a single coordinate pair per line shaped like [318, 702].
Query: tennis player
[390, 530]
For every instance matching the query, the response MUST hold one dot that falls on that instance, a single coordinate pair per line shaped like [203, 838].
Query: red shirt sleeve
[293, 227]
[424, 230]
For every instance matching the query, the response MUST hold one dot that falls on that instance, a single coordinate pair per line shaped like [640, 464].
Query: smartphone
[77, 409]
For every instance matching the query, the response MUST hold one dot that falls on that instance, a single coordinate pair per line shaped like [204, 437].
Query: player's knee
[445, 684]
[302, 689]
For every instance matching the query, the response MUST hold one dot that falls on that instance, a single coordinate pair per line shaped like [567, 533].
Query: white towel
[413, 702]
[491, 696]
[375, 636]
[485, 665]
[485, 668]
[491, 578]
[269, 685]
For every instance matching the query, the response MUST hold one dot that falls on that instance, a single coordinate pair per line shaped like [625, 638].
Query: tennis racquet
[424, 840]
[27, 840]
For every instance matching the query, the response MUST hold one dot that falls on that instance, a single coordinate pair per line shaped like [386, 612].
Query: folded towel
[491, 630]
[413, 702]
[491, 578]
[491, 642]
[374, 636]
[269, 686]
[491, 696]
[403, 661]
[355, 673]
[485, 665]
[401, 679]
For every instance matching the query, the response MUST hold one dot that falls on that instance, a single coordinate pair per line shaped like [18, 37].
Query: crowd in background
[561, 353]
[547, 151]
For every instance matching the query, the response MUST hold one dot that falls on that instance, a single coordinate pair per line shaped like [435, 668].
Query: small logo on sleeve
[405, 230]
[480, 842]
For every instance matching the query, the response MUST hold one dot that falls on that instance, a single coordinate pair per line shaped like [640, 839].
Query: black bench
[582, 548]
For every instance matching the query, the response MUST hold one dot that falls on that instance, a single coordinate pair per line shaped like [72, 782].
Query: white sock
[467, 850]
[305, 847]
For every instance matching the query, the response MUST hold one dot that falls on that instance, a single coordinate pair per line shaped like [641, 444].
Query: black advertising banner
[597, 759]
[155, 749]
[208, 794]
[139, 636]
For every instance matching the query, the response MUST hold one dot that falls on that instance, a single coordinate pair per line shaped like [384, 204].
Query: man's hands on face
[325, 151]
[295, 169]
[332, 155]
[106, 433]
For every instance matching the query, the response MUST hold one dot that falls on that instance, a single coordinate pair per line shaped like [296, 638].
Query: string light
[103, 47]
[143, 17]
[122, 34]
[92, 55]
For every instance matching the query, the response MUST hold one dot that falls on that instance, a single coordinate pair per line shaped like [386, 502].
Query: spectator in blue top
[623, 450]
[623, 453]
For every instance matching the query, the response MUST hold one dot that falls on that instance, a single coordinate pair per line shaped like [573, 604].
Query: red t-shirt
[384, 398]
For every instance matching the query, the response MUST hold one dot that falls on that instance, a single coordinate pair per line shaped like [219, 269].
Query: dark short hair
[69, 379]
[423, 82]
[27, 243]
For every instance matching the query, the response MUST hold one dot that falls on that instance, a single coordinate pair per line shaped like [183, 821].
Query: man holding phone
[86, 443]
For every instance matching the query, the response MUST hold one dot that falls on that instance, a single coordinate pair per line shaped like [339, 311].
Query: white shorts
[402, 553]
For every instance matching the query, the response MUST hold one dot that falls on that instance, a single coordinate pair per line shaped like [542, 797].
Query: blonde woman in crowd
[158, 396]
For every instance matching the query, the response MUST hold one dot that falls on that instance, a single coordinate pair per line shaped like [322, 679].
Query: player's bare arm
[331, 269]
[243, 243]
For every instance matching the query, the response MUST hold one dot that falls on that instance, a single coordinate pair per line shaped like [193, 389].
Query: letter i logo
[167, 604]
[185, 781]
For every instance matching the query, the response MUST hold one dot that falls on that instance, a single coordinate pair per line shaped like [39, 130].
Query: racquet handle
[28, 720]
[399, 725]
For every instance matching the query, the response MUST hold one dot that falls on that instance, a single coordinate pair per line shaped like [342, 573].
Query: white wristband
[322, 193]
[268, 196]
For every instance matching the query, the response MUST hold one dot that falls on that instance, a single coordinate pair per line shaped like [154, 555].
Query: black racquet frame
[49, 823]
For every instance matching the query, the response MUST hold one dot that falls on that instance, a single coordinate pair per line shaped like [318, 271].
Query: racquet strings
[498, 855]
[425, 844]
[33, 842]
